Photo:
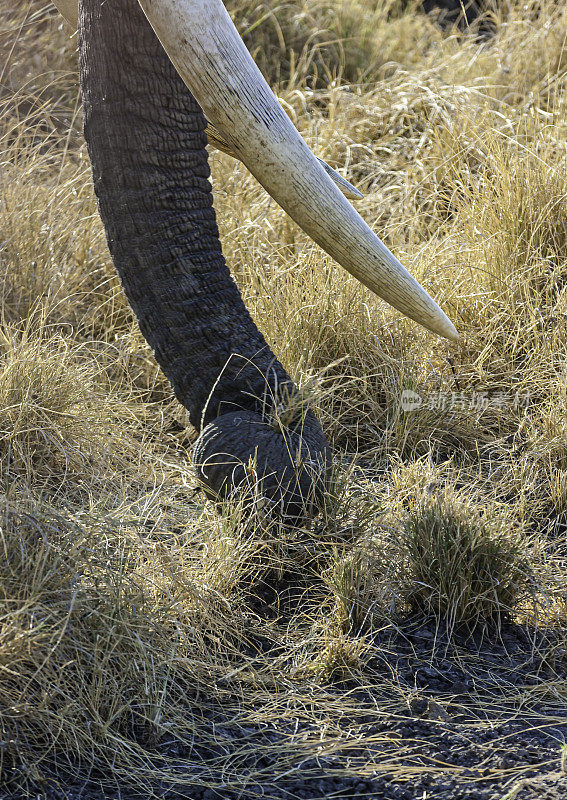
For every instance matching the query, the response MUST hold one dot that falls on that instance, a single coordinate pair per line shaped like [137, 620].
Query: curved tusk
[217, 140]
[205, 48]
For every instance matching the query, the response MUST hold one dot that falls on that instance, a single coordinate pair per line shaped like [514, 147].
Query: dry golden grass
[129, 604]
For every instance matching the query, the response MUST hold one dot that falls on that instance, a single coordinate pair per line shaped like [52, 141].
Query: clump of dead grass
[61, 426]
[98, 639]
[460, 566]
[317, 43]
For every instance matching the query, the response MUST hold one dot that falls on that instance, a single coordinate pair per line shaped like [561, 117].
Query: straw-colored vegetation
[130, 608]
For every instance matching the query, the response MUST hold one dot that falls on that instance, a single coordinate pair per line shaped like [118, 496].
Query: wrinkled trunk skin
[146, 141]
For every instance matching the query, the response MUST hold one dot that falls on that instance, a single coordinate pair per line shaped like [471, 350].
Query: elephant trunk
[146, 139]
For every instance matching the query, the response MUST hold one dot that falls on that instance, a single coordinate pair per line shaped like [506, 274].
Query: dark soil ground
[485, 720]
[442, 760]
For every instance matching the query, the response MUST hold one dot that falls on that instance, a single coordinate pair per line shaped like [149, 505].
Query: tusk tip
[345, 186]
[353, 193]
[445, 328]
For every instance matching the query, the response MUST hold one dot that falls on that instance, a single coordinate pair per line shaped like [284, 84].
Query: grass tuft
[461, 567]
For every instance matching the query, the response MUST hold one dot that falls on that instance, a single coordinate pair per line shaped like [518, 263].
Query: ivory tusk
[216, 140]
[207, 51]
